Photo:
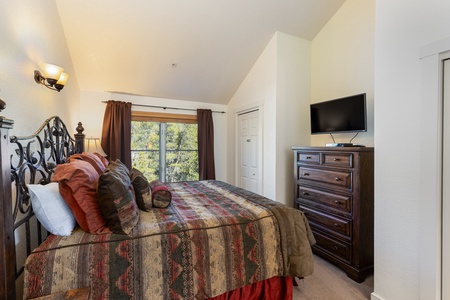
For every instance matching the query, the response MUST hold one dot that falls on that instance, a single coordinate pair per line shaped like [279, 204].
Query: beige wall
[402, 28]
[93, 111]
[279, 84]
[343, 64]
[31, 34]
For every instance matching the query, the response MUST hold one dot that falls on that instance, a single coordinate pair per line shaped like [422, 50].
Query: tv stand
[340, 145]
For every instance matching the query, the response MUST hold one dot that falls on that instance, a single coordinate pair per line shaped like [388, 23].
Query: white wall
[292, 109]
[402, 28]
[343, 64]
[259, 87]
[31, 34]
[279, 83]
[93, 110]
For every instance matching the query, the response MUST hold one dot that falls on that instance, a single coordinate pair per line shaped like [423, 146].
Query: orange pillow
[78, 186]
[91, 158]
[102, 158]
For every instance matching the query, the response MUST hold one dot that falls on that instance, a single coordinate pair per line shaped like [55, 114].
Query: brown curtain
[116, 132]
[206, 169]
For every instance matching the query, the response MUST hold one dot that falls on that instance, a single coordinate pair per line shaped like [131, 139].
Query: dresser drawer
[328, 201]
[338, 178]
[332, 247]
[338, 160]
[327, 222]
[308, 158]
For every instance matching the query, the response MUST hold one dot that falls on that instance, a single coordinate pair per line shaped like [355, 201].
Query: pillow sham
[91, 158]
[161, 196]
[51, 209]
[116, 198]
[78, 186]
[102, 158]
[141, 190]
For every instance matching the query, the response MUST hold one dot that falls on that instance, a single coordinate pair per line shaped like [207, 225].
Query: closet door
[446, 184]
[248, 152]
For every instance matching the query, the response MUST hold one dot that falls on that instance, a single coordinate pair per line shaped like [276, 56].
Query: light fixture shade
[52, 71]
[93, 145]
[63, 79]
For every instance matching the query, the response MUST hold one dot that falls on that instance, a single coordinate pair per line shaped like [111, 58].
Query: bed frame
[25, 160]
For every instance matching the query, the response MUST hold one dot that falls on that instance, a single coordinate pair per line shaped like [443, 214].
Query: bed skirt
[274, 288]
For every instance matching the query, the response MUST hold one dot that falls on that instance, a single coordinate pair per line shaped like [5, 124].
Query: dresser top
[343, 149]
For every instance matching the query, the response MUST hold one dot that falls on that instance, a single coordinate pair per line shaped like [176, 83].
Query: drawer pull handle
[336, 159]
[308, 157]
[305, 193]
[336, 248]
[336, 225]
[305, 174]
[337, 179]
[337, 201]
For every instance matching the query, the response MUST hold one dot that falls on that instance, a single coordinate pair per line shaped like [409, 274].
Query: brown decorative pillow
[78, 186]
[161, 196]
[116, 198]
[141, 190]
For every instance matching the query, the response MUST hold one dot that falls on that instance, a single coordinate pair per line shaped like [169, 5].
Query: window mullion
[162, 151]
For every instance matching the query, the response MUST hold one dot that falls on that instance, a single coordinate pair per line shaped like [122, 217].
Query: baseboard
[374, 296]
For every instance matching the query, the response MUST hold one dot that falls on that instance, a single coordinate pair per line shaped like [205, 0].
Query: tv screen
[346, 114]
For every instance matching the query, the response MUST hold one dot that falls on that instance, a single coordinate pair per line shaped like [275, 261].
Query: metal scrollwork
[34, 160]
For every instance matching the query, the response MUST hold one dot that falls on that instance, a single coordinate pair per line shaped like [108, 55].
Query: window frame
[163, 119]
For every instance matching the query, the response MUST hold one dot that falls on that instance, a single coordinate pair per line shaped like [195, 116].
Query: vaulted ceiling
[198, 50]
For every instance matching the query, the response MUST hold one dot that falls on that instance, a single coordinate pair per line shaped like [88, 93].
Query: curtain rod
[168, 107]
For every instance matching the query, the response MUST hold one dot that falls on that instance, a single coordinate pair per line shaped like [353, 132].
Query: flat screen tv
[341, 115]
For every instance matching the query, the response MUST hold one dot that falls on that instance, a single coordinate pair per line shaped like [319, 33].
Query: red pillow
[91, 158]
[102, 158]
[78, 186]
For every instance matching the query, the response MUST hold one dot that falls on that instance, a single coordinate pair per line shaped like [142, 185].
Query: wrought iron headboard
[27, 160]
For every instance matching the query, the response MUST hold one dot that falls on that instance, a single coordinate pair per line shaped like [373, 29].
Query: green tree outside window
[177, 142]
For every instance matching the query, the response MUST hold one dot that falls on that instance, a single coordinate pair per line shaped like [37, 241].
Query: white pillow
[51, 209]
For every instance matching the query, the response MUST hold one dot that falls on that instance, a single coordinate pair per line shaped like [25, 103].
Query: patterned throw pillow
[161, 196]
[116, 198]
[141, 190]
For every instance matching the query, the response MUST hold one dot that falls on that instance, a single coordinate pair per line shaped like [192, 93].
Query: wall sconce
[93, 145]
[53, 78]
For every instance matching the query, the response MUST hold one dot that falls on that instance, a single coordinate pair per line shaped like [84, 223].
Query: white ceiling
[198, 50]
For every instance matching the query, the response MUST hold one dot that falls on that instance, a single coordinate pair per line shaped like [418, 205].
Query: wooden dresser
[334, 188]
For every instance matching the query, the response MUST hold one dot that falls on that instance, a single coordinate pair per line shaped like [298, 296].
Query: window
[164, 146]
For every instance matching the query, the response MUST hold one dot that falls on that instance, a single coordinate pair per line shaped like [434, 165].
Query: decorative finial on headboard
[2, 104]
[79, 128]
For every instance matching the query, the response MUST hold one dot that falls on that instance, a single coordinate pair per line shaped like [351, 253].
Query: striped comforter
[213, 238]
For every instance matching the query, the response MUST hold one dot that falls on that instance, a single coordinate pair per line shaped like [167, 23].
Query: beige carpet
[329, 282]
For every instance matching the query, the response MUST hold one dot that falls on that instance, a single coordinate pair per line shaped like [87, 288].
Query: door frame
[241, 110]
[431, 143]
[445, 178]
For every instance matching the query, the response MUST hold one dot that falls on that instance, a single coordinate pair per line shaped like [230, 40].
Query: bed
[213, 240]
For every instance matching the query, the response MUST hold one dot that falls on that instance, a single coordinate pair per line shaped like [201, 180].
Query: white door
[248, 154]
[446, 186]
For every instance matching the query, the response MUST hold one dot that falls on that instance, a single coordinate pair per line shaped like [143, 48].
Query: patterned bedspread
[213, 238]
